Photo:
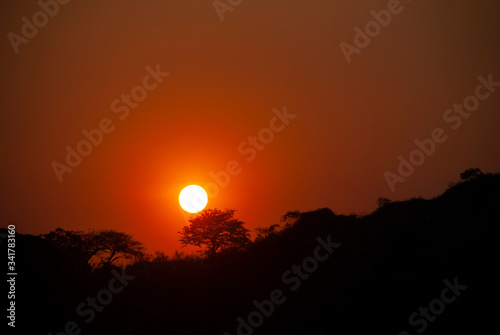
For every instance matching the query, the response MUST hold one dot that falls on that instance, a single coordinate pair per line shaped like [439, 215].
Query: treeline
[214, 231]
[389, 264]
[94, 248]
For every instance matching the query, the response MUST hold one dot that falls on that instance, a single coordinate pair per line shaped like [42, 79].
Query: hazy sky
[352, 119]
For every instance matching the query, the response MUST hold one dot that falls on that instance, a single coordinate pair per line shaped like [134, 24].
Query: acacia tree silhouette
[215, 230]
[78, 246]
[116, 245]
[109, 245]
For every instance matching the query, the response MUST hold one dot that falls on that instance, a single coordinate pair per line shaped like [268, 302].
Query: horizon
[321, 267]
[190, 250]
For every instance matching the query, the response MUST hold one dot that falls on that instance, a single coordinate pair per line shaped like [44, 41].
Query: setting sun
[193, 198]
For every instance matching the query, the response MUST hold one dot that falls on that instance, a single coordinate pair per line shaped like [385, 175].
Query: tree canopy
[77, 245]
[215, 230]
[108, 245]
[116, 245]
[471, 173]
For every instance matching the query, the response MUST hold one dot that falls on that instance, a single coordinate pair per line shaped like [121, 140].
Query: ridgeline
[384, 273]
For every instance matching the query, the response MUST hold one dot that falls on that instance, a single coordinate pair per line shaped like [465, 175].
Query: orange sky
[225, 78]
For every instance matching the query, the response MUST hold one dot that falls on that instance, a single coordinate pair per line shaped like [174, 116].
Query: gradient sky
[226, 77]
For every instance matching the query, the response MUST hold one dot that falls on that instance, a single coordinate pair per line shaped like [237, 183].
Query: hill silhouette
[385, 267]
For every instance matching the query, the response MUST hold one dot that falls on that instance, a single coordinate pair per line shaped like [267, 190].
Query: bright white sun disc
[193, 198]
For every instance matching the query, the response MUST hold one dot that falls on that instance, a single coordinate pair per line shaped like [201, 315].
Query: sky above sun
[265, 104]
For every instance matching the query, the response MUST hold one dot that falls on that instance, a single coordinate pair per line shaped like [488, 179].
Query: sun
[193, 198]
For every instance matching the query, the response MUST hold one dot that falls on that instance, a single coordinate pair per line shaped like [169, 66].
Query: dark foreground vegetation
[382, 268]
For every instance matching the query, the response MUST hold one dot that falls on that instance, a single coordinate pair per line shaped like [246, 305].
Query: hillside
[388, 265]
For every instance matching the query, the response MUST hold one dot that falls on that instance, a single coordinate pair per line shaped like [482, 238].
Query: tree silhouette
[159, 257]
[109, 245]
[382, 202]
[78, 246]
[215, 230]
[263, 233]
[116, 245]
[471, 173]
[290, 218]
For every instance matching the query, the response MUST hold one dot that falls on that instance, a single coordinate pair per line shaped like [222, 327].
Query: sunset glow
[249, 167]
